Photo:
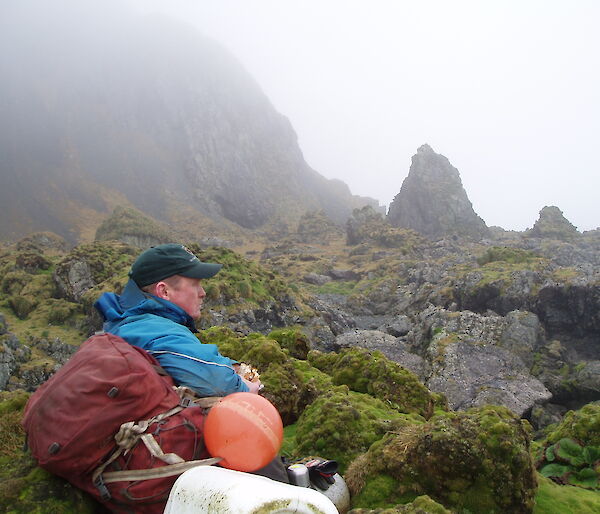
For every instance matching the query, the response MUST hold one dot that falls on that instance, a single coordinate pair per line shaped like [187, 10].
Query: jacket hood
[133, 301]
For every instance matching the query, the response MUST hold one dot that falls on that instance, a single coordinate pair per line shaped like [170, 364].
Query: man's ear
[161, 290]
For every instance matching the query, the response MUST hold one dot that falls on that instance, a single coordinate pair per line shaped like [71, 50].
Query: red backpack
[110, 424]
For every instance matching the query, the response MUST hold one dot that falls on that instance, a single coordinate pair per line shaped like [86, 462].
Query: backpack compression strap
[128, 436]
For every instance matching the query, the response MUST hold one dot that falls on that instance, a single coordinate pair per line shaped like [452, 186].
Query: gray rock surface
[12, 354]
[73, 278]
[471, 374]
[398, 326]
[477, 359]
[432, 200]
[392, 347]
[316, 279]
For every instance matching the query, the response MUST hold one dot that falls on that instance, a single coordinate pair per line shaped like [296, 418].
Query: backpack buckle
[186, 401]
[102, 489]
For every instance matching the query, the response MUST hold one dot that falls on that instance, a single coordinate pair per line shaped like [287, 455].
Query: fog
[508, 91]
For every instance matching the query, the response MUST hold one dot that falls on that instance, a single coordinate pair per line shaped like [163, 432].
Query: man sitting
[157, 311]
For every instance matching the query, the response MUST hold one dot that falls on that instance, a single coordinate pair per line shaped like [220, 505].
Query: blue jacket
[164, 330]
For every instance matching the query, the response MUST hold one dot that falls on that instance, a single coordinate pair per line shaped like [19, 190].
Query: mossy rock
[240, 279]
[370, 372]
[285, 386]
[473, 461]
[22, 305]
[59, 310]
[583, 425]
[132, 227]
[14, 281]
[341, 424]
[104, 259]
[293, 340]
[421, 505]
[24, 487]
[32, 261]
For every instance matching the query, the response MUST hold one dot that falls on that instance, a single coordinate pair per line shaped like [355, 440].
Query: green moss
[288, 447]
[552, 498]
[507, 254]
[476, 461]
[371, 372]
[341, 424]
[240, 278]
[293, 340]
[125, 221]
[380, 491]
[59, 311]
[582, 425]
[22, 305]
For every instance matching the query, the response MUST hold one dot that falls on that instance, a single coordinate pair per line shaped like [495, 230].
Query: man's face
[188, 294]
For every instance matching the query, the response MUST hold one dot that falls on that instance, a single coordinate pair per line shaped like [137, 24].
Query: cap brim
[202, 270]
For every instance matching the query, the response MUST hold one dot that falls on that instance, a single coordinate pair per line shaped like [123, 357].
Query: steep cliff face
[103, 107]
[432, 200]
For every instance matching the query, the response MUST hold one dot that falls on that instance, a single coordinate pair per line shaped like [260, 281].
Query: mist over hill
[100, 106]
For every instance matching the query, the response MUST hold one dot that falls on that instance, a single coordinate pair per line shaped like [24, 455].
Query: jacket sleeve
[191, 363]
[198, 366]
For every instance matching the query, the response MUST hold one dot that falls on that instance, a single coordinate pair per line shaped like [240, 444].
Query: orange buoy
[245, 430]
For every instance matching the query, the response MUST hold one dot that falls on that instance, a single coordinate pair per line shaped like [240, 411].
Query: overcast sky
[508, 90]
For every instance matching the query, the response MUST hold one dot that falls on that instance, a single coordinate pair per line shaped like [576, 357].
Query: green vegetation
[128, 222]
[475, 461]
[552, 498]
[341, 424]
[567, 462]
[507, 254]
[372, 373]
[582, 425]
[240, 279]
[293, 340]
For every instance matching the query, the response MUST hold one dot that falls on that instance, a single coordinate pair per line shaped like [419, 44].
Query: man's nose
[201, 292]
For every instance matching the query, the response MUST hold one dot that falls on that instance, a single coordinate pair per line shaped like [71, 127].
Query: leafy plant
[568, 462]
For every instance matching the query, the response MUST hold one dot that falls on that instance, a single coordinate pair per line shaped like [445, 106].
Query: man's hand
[253, 387]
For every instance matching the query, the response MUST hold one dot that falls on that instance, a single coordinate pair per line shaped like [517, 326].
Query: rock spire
[432, 200]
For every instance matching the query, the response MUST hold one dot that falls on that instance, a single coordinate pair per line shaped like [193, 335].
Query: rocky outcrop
[433, 202]
[553, 225]
[478, 360]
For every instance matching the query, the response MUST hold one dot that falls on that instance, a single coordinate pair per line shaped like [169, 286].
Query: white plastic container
[210, 489]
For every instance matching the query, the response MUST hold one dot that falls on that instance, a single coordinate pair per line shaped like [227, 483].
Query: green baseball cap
[163, 261]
